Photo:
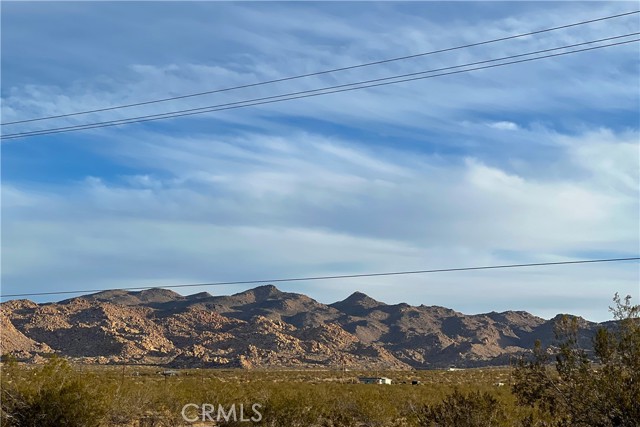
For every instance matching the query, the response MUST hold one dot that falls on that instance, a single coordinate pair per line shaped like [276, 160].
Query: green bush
[581, 393]
[474, 409]
[53, 395]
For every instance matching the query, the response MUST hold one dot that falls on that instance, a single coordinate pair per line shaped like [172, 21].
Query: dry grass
[140, 395]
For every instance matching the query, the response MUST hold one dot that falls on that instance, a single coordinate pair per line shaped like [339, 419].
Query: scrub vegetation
[563, 387]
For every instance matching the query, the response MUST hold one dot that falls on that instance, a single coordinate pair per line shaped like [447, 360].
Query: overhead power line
[343, 276]
[317, 73]
[325, 90]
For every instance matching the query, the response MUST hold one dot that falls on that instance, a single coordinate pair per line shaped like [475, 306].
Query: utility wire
[344, 276]
[321, 91]
[351, 67]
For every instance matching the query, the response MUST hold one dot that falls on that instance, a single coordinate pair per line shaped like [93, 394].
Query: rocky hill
[264, 327]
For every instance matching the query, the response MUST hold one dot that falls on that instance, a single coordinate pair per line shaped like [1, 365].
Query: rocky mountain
[265, 327]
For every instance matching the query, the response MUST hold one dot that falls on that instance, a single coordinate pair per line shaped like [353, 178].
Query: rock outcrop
[264, 327]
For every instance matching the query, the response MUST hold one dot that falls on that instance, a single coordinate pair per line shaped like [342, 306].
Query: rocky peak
[199, 296]
[19, 304]
[158, 295]
[124, 297]
[357, 303]
[264, 327]
[105, 295]
[261, 293]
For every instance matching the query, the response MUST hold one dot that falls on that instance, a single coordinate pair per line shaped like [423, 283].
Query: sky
[526, 163]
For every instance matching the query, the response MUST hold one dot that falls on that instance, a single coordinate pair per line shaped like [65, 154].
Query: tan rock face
[12, 340]
[264, 327]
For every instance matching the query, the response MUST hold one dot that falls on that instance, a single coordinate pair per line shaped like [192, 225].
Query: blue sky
[528, 163]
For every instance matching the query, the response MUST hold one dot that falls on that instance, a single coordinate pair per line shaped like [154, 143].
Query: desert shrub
[358, 405]
[289, 408]
[579, 392]
[52, 395]
[475, 409]
[140, 396]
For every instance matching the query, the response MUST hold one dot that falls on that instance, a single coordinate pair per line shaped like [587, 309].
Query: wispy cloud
[504, 125]
[537, 162]
[326, 208]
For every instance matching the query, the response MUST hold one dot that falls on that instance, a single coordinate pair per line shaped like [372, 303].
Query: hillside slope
[265, 327]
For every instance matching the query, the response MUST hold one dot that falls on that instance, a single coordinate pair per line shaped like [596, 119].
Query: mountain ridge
[266, 327]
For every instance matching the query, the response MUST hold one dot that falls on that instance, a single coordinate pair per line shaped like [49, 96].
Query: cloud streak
[324, 207]
[521, 164]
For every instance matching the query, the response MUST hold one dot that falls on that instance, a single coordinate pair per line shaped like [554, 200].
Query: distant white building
[375, 380]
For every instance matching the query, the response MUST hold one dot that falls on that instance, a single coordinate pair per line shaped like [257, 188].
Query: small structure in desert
[375, 380]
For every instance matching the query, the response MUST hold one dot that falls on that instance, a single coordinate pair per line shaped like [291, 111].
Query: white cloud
[504, 125]
[382, 179]
[610, 160]
[565, 82]
[327, 207]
